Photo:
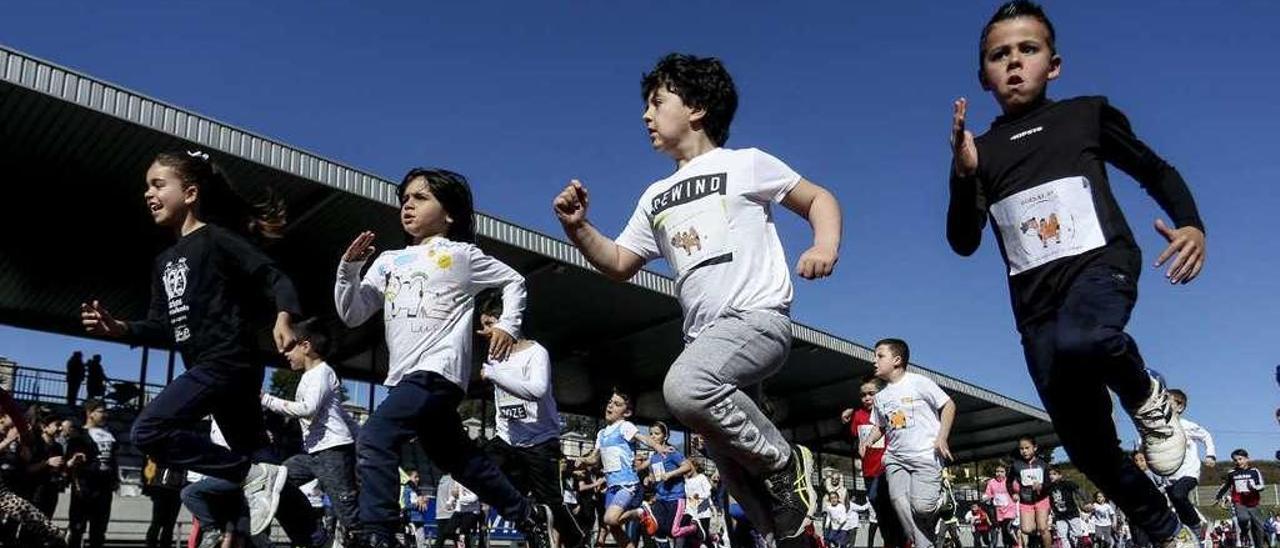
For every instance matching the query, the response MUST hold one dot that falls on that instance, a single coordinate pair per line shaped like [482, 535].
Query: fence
[33, 384]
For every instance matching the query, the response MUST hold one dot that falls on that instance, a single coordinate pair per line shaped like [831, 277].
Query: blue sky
[522, 97]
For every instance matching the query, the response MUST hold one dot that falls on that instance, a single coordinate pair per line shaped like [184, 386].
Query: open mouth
[155, 207]
[1014, 81]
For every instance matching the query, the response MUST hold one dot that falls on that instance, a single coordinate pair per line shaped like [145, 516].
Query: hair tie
[198, 154]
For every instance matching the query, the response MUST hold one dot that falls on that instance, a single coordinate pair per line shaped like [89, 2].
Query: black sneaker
[536, 526]
[792, 499]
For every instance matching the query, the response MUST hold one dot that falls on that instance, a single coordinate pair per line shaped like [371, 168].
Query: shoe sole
[273, 498]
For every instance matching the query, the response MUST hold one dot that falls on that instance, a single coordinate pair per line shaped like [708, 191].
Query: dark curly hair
[702, 83]
[1012, 10]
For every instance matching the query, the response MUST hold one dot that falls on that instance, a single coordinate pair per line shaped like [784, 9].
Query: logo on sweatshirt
[175, 278]
[1022, 134]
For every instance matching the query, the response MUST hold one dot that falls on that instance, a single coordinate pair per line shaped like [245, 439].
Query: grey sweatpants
[704, 391]
[915, 489]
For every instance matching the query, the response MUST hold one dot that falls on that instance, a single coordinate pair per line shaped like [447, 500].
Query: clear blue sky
[523, 96]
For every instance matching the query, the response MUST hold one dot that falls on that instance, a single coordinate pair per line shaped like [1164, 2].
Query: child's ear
[1055, 67]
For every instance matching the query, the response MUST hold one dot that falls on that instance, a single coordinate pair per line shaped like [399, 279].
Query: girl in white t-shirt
[426, 293]
[1102, 515]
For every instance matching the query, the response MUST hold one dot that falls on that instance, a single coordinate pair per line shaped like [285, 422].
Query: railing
[32, 384]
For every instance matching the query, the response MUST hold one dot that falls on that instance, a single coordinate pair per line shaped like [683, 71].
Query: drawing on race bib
[688, 241]
[1047, 222]
[1046, 229]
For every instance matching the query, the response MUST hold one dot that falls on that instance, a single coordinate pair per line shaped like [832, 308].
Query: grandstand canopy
[73, 151]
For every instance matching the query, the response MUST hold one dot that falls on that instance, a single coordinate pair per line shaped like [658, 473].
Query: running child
[426, 293]
[1006, 509]
[667, 469]
[860, 426]
[1065, 497]
[328, 432]
[1039, 175]
[1102, 515]
[204, 290]
[712, 221]
[1244, 483]
[1184, 482]
[914, 416]
[527, 421]
[614, 453]
[1028, 481]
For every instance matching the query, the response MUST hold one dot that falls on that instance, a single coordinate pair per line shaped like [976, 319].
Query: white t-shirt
[698, 486]
[1103, 515]
[712, 220]
[466, 500]
[523, 397]
[907, 412]
[325, 424]
[850, 516]
[1191, 462]
[444, 495]
[427, 296]
[837, 514]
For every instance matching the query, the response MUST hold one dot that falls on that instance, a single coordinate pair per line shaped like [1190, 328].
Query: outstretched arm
[1121, 148]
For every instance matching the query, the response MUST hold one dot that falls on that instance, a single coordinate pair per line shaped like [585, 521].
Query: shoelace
[1155, 421]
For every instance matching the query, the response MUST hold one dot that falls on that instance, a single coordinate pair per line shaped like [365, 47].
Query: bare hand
[817, 262]
[283, 331]
[944, 449]
[1187, 243]
[1210, 462]
[54, 462]
[98, 321]
[500, 342]
[964, 152]
[360, 249]
[571, 204]
[846, 416]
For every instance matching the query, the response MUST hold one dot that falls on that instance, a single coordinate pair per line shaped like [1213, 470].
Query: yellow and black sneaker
[792, 500]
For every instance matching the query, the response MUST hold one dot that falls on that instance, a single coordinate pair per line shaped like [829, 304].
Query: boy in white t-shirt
[915, 417]
[527, 448]
[328, 432]
[713, 223]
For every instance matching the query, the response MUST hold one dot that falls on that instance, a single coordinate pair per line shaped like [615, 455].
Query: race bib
[897, 414]
[1032, 476]
[691, 222]
[1242, 484]
[658, 468]
[1001, 499]
[611, 459]
[1054, 220]
[516, 409]
[865, 431]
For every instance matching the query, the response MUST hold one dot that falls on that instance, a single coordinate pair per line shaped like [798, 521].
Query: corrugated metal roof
[166, 122]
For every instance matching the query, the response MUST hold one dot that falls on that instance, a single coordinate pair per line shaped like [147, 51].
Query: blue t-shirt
[673, 487]
[616, 453]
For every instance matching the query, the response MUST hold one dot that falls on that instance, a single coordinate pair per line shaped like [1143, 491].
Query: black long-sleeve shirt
[204, 293]
[1042, 182]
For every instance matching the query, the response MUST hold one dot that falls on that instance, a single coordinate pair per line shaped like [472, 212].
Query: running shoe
[792, 498]
[262, 488]
[1163, 441]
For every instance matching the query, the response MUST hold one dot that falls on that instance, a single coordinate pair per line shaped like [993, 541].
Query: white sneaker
[262, 494]
[1160, 430]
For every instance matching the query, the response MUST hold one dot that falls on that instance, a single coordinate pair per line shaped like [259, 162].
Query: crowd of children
[712, 220]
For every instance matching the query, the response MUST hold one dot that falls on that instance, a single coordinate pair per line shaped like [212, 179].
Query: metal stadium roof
[72, 153]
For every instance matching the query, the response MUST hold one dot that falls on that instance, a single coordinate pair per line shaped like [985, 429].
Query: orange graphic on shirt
[898, 419]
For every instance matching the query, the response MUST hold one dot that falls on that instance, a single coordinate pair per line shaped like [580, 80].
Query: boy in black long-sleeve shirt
[1038, 174]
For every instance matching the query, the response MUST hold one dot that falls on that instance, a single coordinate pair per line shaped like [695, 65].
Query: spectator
[96, 387]
[25, 525]
[75, 376]
[163, 485]
[46, 471]
[415, 506]
[95, 477]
